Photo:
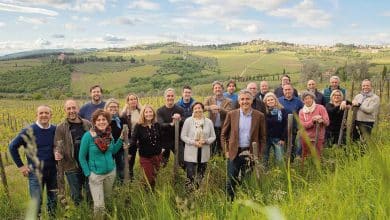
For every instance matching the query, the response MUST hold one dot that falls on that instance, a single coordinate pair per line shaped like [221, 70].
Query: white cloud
[34, 21]
[58, 36]
[121, 21]
[42, 42]
[144, 5]
[73, 27]
[2, 24]
[247, 26]
[304, 14]
[73, 5]
[354, 25]
[77, 18]
[386, 13]
[113, 39]
[23, 9]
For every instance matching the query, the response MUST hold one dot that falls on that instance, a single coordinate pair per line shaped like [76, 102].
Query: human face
[43, 115]
[198, 110]
[149, 115]
[245, 102]
[252, 87]
[334, 83]
[311, 85]
[187, 93]
[288, 91]
[336, 98]
[366, 86]
[264, 87]
[217, 90]
[113, 108]
[285, 80]
[231, 88]
[71, 110]
[270, 102]
[101, 123]
[308, 100]
[132, 101]
[170, 98]
[96, 94]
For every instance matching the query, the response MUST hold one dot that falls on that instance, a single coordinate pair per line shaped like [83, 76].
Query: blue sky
[43, 24]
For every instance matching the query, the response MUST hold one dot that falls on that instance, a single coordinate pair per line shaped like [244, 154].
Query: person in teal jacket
[96, 160]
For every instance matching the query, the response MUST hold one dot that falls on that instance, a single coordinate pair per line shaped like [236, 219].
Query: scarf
[276, 111]
[117, 120]
[309, 109]
[199, 124]
[102, 138]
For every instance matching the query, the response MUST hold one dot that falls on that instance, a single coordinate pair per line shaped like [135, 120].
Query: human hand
[57, 156]
[24, 170]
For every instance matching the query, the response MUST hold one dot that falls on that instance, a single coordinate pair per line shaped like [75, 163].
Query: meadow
[346, 185]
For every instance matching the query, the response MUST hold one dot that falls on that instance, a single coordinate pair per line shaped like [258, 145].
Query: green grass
[346, 186]
[22, 64]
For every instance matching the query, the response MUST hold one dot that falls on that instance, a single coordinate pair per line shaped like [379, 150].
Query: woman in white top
[197, 134]
[131, 114]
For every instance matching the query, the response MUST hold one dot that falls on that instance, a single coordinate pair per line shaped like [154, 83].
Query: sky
[55, 24]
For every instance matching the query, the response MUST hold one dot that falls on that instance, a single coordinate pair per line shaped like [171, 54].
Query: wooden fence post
[3, 176]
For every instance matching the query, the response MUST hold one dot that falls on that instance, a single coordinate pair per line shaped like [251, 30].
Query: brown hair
[142, 120]
[96, 86]
[99, 112]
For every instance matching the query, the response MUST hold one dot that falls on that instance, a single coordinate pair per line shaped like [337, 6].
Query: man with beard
[66, 152]
[96, 102]
[167, 115]
[217, 106]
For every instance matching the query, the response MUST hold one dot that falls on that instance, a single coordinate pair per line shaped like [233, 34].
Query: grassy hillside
[245, 60]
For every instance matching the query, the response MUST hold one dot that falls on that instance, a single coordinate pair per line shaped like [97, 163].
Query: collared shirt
[218, 123]
[41, 127]
[245, 124]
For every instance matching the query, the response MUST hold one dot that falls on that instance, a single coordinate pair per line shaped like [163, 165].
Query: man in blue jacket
[41, 169]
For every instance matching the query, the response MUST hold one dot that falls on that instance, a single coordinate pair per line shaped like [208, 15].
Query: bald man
[67, 145]
[312, 87]
[42, 162]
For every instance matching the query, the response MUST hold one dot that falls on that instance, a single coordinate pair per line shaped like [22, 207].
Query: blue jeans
[278, 151]
[77, 181]
[49, 179]
[240, 163]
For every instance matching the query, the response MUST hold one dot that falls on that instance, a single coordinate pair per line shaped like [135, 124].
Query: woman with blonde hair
[131, 114]
[147, 138]
[276, 123]
[335, 112]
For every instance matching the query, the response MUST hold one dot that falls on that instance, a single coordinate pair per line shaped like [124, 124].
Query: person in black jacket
[335, 112]
[276, 124]
[257, 103]
[167, 115]
[112, 107]
[147, 138]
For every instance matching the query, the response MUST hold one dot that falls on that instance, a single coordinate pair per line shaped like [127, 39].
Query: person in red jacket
[311, 116]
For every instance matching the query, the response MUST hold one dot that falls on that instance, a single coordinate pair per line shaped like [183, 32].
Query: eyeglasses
[113, 106]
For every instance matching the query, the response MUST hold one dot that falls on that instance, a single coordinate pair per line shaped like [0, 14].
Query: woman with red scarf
[96, 160]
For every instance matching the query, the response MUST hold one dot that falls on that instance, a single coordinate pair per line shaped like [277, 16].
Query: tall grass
[347, 186]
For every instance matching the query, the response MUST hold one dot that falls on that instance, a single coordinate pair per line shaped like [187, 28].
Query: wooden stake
[3, 176]
[126, 144]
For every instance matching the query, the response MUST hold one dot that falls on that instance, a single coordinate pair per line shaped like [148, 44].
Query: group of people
[88, 146]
